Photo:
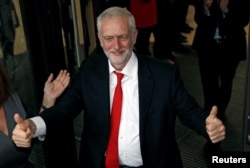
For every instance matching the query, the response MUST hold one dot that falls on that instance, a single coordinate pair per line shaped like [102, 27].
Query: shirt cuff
[40, 127]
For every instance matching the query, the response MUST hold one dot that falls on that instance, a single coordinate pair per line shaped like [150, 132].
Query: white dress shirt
[128, 140]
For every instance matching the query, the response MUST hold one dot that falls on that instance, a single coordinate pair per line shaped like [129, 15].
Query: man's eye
[107, 38]
[123, 38]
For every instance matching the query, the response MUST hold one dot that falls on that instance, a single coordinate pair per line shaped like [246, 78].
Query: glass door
[246, 136]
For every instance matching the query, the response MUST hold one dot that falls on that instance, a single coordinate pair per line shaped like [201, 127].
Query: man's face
[117, 40]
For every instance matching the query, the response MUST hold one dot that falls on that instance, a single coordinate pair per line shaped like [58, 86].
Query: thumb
[213, 112]
[19, 120]
[50, 77]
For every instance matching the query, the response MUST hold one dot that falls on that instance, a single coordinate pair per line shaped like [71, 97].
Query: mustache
[117, 51]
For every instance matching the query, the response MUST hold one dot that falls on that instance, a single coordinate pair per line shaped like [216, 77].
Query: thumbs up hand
[215, 127]
[22, 134]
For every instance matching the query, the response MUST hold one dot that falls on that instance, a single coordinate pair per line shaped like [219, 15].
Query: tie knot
[119, 75]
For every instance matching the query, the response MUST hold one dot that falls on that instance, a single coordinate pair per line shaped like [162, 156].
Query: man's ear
[135, 36]
[100, 39]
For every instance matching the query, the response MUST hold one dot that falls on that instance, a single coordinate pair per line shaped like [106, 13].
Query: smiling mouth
[117, 52]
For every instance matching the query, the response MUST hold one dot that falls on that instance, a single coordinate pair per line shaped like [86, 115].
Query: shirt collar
[130, 69]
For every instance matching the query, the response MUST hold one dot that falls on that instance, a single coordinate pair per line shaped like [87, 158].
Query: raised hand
[215, 127]
[22, 133]
[54, 88]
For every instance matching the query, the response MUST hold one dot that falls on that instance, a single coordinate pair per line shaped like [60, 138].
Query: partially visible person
[151, 19]
[148, 95]
[10, 103]
[169, 28]
[220, 44]
[146, 22]
[184, 26]
[8, 24]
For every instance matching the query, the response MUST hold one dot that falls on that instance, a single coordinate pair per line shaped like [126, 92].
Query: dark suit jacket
[231, 27]
[161, 97]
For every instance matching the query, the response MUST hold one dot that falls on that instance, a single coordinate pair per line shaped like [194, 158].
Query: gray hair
[116, 11]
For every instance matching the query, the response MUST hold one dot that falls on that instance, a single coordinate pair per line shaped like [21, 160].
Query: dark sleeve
[68, 106]
[188, 110]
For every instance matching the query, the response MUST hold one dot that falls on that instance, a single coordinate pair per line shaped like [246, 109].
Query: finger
[23, 138]
[23, 145]
[59, 76]
[19, 120]
[66, 80]
[65, 75]
[212, 121]
[216, 131]
[50, 78]
[218, 135]
[213, 112]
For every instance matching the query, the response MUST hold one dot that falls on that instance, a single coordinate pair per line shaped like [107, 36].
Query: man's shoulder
[154, 62]
[96, 55]
[95, 58]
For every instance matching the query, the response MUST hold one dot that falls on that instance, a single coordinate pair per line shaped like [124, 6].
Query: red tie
[112, 159]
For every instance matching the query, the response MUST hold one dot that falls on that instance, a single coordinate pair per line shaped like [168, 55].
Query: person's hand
[22, 133]
[207, 4]
[54, 88]
[215, 127]
[223, 5]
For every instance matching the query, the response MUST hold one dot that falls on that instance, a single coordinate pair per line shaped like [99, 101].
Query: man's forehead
[118, 27]
[115, 20]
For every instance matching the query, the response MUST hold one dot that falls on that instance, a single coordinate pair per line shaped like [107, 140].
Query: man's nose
[116, 43]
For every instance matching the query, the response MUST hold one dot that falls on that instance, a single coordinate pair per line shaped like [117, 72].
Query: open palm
[54, 88]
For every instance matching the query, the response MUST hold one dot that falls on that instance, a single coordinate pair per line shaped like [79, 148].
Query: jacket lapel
[102, 76]
[146, 84]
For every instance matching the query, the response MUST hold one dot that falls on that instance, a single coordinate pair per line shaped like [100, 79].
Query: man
[153, 95]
